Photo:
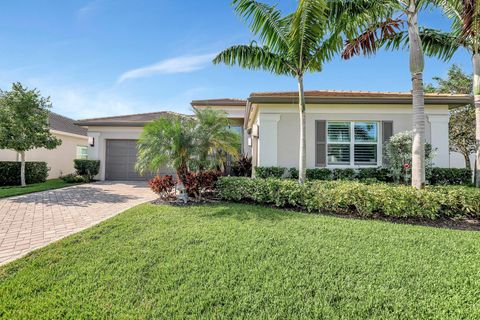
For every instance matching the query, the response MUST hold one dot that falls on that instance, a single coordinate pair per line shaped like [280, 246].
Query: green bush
[35, 172]
[319, 174]
[86, 168]
[73, 178]
[344, 174]
[269, 172]
[450, 176]
[354, 197]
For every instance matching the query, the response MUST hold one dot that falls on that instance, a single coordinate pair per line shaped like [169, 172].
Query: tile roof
[138, 119]
[226, 102]
[64, 124]
[345, 93]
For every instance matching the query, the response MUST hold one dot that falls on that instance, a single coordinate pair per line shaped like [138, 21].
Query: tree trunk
[468, 163]
[476, 95]
[22, 169]
[302, 170]
[416, 69]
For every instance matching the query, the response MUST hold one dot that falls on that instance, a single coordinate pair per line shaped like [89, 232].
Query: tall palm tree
[384, 29]
[215, 140]
[291, 45]
[464, 33]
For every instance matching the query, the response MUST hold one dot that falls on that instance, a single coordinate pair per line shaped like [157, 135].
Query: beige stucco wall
[59, 160]
[282, 123]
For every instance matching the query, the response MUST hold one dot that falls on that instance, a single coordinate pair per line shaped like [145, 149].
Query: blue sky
[109, 57]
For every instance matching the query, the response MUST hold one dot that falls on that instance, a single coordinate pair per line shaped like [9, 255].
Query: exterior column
[440, 140]
[267, 140]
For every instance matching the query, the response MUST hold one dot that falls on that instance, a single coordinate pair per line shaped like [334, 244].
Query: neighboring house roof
[226, 102]
[60, 123]
[131, 120]
[334, 96]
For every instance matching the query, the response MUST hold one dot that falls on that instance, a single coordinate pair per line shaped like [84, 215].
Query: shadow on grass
[244, 212]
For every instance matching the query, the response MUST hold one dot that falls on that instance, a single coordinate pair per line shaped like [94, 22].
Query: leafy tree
[385, 26]
[291, 45]
[24, 122]
[462, 120]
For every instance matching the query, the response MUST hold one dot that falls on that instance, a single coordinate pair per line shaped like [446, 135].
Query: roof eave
[111, 124]
[361, 100]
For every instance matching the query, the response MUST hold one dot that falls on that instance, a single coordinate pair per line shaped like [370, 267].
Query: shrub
[73, 178]
[398, 151]
[354, 197]
[269, 172]
[163, 186]
[450, 176]
[35, 172]
[344, 174]
[87, 168]
[293, 173]
[243, 167]
[198, 183]
[319, 174]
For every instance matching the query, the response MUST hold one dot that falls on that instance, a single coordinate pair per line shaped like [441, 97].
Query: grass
[35, 187]
[243, 261]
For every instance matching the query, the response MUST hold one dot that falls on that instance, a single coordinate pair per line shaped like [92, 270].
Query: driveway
[34, 220]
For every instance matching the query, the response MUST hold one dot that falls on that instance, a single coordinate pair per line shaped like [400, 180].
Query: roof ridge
[131, 114]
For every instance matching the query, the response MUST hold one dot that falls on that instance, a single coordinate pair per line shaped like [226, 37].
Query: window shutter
[387, 132]
[320, 143]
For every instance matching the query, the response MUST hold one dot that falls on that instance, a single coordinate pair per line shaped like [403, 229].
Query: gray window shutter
[387, 132]
[320, 143]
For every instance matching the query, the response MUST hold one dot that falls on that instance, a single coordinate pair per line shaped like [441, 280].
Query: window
[82, 152]
[352, 143]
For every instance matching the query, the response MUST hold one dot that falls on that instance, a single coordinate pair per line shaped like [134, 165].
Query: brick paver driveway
[34, 220]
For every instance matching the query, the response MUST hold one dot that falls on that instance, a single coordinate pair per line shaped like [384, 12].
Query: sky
[99, 58]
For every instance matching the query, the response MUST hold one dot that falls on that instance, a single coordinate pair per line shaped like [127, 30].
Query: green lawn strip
[243, 261]
[36, 187]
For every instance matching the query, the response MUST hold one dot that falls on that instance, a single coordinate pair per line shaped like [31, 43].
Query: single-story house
[60, 160]
[343, 129]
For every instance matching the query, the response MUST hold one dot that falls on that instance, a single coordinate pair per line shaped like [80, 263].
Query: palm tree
[167, 141]
[465, 33]
[291, 45]
[215, 140]
[385, 29]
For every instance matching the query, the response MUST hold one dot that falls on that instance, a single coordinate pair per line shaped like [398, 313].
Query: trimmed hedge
[35, 172]
[450, 176]
[86, 168]
[441, 176]
[354, 197]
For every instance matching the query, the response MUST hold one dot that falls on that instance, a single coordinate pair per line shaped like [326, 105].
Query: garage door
[120, 160]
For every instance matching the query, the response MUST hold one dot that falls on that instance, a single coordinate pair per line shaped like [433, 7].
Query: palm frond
[254, 57]
[370, 40]
[439, 44]
[308, 26]
[266, 21]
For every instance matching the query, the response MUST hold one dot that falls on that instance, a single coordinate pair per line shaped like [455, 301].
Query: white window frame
[79, 155]
[352, 143]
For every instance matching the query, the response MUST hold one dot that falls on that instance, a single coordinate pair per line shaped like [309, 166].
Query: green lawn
[242, 261]
[35, 187]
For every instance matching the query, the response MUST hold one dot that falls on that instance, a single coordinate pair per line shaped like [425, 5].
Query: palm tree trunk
[303, 144]
[22, 169]
[476, 97]
[416, 69]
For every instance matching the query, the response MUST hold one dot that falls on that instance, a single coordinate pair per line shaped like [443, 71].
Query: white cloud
[181, 64]
[87, 10]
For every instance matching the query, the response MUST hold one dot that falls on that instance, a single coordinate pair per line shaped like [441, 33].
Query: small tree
[462, 120]
[24, 122]
[398, 152]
